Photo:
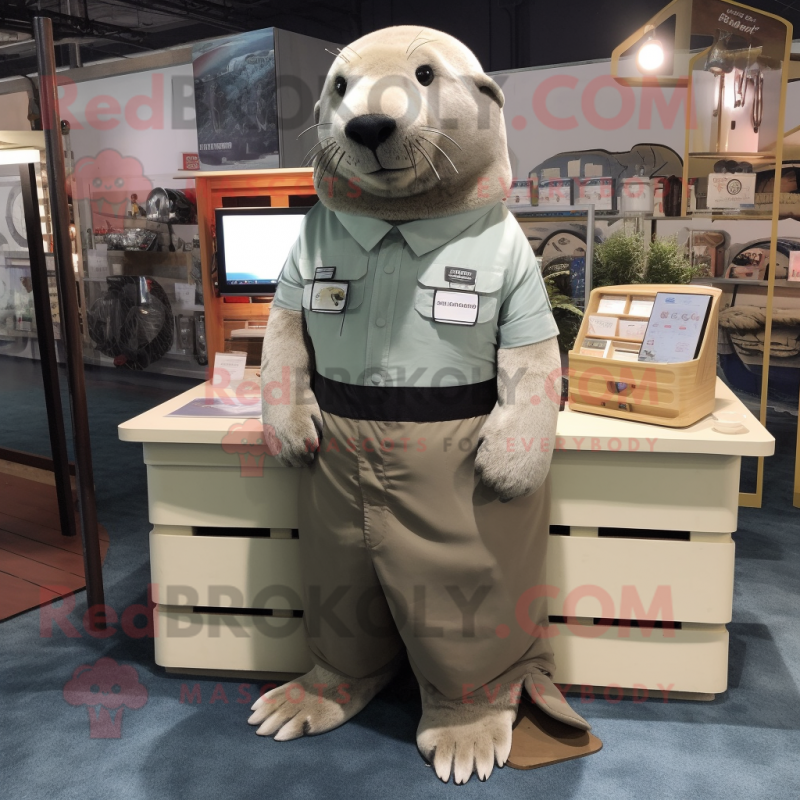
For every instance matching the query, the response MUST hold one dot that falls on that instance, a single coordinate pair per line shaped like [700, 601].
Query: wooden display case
[273, 188]
[676, 395]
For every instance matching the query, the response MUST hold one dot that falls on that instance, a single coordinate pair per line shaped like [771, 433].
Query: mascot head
[409, 127]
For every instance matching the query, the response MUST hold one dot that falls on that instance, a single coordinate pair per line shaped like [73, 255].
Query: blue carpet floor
[743, 745]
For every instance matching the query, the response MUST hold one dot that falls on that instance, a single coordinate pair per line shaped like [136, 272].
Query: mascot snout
[370, 130]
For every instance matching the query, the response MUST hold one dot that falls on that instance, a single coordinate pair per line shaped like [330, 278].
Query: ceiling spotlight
[650, 56]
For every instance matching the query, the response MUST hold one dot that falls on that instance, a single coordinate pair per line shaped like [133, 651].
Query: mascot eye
[424, 75]
[97, 182]
[119, 183]
[340, 84]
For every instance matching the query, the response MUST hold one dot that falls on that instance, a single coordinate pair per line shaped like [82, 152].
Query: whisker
[347, 47]
[441, 133]
[415, 39]
[323, 170]
[317, 157]
[333, 176]
[427, 158]
[315, 161]
[413, 162]
[427, 41]
[320, 142]
[337, 55]
[324, 148]
[329, 154]
[311, 127]
[442, 152]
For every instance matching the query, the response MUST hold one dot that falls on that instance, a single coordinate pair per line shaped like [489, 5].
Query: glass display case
[141, 273]
[17, 318]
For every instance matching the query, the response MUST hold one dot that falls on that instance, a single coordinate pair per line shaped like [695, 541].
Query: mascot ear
[488, 87]
[316, 111]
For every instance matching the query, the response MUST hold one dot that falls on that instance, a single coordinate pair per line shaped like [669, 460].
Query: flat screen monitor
[252, 247]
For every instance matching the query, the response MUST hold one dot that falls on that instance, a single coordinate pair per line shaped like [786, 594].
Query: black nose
[371, 130]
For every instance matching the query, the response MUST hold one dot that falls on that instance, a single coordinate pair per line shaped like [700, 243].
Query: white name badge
[329, 297]
[455, 308]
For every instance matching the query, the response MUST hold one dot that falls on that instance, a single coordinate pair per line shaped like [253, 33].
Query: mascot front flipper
[413, 326]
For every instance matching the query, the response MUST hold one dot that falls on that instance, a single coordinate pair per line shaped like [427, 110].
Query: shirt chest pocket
[488, 281]
[351, 269]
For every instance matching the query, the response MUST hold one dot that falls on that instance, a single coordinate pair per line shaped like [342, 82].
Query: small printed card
[595, 347]
[612, 304]
[641, 306]
[603, 326]
[632, 329]
[731, 190]
[623, 351]
[228, 367]
[519, 194]
[555, 192]
[97, 261]
[598, 192]
[794, 266]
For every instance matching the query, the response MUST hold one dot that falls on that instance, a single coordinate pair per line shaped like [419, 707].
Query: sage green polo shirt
[387, 334]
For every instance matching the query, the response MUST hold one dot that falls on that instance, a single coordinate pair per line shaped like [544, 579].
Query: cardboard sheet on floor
[539, 740]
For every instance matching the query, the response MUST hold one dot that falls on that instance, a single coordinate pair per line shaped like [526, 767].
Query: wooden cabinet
[274, 188]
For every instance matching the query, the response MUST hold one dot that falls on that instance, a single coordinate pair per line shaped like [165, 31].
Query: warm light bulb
[651, 55]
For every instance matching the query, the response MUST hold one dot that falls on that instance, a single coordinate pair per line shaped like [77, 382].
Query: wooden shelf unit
[213, 189]
[675, 395]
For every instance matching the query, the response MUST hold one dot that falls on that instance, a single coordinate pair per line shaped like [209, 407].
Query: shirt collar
[421, 235]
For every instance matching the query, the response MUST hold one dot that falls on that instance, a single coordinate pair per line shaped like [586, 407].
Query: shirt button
[380, 322]
[376, 378]
[389, 269]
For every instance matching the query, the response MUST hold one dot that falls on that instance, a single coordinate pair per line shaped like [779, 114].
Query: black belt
[405, 403]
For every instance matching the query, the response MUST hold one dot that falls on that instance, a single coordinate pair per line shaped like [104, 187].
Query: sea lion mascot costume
[414, 327]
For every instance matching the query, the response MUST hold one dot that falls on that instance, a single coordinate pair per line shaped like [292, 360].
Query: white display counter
[641, 526]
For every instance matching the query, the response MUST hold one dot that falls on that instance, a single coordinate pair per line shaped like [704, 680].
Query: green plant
[618, 260]
[566, 314]
[626, 258]
[667, 263]
[621, 259]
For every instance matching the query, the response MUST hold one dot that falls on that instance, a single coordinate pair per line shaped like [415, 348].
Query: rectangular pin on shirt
[324, 273]
[329, 297]
[460, 275]
[455, 308]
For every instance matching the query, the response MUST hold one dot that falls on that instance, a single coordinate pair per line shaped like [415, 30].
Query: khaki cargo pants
[402, 546]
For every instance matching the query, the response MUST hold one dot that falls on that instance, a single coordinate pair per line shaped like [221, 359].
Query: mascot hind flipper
[316, 703]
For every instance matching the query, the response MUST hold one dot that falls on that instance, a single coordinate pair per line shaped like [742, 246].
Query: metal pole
[587, 273]
[70, 322]
[47, 349]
